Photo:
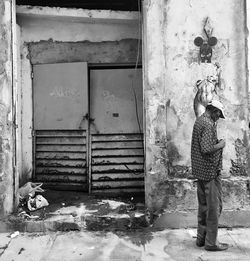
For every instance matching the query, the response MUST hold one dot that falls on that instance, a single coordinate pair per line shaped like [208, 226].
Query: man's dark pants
[210, 206]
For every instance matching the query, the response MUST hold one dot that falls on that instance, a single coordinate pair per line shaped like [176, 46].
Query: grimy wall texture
[6, 140]
[172, 68]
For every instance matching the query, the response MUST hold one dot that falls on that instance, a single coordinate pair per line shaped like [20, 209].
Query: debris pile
[31, 200]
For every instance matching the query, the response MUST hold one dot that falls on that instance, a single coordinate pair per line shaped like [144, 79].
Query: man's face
[215, 115]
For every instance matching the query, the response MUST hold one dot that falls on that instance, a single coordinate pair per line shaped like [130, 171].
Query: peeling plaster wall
[6, 131]
[171, 71]
[56, 35]
[248, 52]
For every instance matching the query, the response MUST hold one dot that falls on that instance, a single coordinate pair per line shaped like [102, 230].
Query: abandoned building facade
[104, 101]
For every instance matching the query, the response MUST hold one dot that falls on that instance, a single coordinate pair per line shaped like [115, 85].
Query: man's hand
[221, 144]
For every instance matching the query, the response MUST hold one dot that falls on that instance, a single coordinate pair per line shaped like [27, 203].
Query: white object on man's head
[217, 104]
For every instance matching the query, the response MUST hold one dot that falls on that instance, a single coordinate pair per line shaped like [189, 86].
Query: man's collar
[208, 116]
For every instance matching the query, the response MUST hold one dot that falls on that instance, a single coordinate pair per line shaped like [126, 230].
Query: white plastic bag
[37, 202]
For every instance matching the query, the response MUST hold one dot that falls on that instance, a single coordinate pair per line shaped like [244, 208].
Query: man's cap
[218, 105]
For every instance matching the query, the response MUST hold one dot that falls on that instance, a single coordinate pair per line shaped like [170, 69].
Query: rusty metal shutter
[60, 158]
[117, 163]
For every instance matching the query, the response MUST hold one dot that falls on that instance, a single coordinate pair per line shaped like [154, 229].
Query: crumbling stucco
[239, 165]
[172, 68]
[180, 194]
[6, 139]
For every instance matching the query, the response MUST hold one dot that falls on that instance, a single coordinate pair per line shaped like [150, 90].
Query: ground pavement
[139, 245]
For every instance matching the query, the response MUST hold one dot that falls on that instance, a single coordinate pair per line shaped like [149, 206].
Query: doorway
[88, 127]
[116, 129]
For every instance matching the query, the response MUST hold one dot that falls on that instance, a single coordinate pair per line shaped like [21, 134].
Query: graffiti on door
[60, 92]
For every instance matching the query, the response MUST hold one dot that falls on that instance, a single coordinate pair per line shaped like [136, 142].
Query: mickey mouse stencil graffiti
[207, 88]
[206, 50]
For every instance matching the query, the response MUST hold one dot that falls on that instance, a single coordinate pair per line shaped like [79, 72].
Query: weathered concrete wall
[248, 52]
[56, 35]
[123, 51]
[172, 68]
[6, 131]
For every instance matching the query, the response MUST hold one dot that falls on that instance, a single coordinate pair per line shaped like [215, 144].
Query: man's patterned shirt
[205, 162]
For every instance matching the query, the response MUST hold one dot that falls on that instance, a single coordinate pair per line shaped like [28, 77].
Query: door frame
[90, 66]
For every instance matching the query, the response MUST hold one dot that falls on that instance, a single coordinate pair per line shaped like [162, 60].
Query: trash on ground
[15, 234]
[37, 202]
[31, 200]
[26, 215]
[30, 188]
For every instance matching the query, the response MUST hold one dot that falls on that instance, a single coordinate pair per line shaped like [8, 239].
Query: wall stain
[123, 51]
[171, 195]
[239, 165]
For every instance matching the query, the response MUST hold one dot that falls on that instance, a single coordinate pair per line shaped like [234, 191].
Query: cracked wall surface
[172, 68]
[6, 139]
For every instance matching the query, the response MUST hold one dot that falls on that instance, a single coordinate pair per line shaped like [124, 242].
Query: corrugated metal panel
[117, 163]
[61, 157]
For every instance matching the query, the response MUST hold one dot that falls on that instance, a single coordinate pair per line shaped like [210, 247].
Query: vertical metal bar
[90, 164]
[89, 140]
[33, 127]
[87, 155]
[34, 154]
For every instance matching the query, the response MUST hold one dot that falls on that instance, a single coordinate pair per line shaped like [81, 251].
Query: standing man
[206, 160]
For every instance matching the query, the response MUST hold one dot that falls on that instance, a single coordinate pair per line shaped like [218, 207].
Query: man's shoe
[219, 247]
[200, 243]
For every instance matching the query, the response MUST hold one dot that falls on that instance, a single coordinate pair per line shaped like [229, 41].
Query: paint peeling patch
[236, 193]
[179, 171]
[239, 165]
[248, 187]
[169, 157]
[175, 194]
[160, 126]
[173, 155]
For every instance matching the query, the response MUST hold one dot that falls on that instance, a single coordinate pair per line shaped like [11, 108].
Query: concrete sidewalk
[138, 245]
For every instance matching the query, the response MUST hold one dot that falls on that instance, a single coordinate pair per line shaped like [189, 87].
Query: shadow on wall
[25, 177]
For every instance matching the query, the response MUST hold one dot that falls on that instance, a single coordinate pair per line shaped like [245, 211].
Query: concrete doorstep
[78, 212]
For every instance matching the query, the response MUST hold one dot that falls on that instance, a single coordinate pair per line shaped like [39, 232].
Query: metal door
[60, 96]
[116, 110]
